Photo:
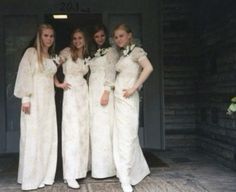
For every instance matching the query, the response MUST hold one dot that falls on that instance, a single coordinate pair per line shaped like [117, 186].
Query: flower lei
[56, 60]
[128, 49]
[101, 52]
[86, 60]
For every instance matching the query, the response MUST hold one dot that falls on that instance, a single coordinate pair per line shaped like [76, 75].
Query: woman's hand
[61, 60]
[25, 107]
[64, 85]
[128, 92]
[105, 98]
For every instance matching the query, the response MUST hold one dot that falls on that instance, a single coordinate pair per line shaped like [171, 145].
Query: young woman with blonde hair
[133, 69]
[75, 110]
[35, 86]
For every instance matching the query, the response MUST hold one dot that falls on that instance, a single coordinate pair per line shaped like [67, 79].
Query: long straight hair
[74, 50]
[38, 43]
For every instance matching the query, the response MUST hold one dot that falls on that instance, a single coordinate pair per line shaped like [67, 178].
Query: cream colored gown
[38, 139]
[102, 78]
[130, 162]
[75, 119]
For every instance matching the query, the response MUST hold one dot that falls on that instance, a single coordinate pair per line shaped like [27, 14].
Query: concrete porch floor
[186, 172]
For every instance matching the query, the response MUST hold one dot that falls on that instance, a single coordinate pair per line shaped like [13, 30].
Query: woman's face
[122, 38]
[47, 37]
[99, 38]
[78, 40]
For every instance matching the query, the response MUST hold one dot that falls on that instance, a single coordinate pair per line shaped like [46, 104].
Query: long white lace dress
[38, 139]
[102, 78]
[75, 119]
[130, 162]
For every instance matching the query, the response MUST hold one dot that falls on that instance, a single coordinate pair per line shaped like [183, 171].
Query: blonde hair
[74, 52]
[38, 44]
[124, 27]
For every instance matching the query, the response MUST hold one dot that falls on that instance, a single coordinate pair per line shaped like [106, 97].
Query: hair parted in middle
[38, 43]
[74, 52]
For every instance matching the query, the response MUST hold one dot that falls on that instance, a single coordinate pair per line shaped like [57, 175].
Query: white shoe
[73, 184]
[42, 185]
[126, 187]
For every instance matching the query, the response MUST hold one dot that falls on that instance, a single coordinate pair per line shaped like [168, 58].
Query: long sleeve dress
[38, 139]
[102, 78]
[75, 119]
[129, 160]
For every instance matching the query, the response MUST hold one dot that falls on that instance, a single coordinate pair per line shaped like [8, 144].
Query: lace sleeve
[24, 79]
[138, 54]
[110, 71]
[140, 57]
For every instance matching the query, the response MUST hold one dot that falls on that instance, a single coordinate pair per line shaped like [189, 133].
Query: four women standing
[113, 129]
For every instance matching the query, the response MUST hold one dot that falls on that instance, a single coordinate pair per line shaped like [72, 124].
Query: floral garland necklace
[128, 49]
[86, 60]
[101, 52]
[56, 60]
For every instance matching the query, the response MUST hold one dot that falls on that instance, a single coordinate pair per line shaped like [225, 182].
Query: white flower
[56, 59]
[232, 108]
[125, 52]
[86, 60]
[128, 49]
[101, 52]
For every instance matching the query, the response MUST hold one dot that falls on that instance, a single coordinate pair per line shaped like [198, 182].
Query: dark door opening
[63, 29]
